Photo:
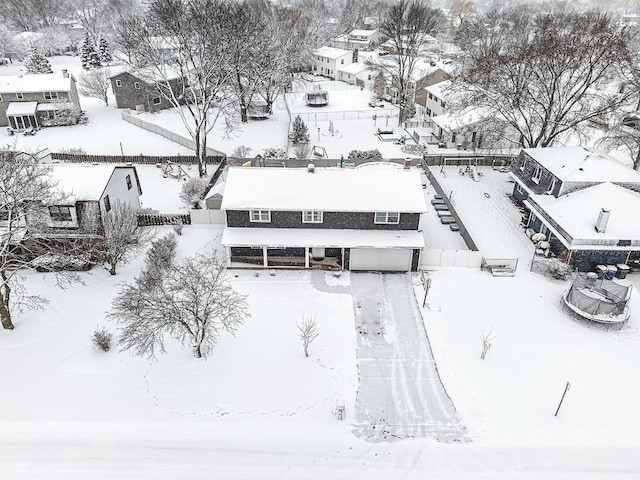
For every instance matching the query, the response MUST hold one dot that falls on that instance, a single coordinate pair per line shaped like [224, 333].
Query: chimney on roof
[603, 219]
[407, 163]
[65, 73]
[311, 168]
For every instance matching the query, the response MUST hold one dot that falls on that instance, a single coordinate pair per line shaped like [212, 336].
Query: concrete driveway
[400, 393]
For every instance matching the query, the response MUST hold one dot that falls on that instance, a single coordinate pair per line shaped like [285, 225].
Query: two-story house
[583, 201]
[364, 218]
[87, 194]
[28, 101]
[141, 89]
[358, 39]
[432, 99]
[326, 61]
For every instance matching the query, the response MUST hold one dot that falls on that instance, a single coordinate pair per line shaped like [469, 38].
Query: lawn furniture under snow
[599, 300]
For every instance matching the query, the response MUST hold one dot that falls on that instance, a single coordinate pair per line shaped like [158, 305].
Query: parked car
[376, 102]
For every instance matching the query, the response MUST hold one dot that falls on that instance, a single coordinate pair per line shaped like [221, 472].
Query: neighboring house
[327, 60]
[357, 74]
[567, 191]
[88, 193]
[358, 39]
[138, 89]
[431, 100]
[353, 219]
[428, 44]
[597, 225]
[35, 100]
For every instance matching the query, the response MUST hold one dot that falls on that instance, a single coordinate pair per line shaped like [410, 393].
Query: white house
[363, 218]
[327, 60]
[357, 74]
[433, 101]
[358, 39]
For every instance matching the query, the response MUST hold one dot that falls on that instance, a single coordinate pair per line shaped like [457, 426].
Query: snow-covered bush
[241, 151]
[101, 338]
[559, 270]
[365, 155]
[177, 226]
[162, 252]
[56, 262]
[193, 191]
[36, 62]
[275, 152]
[65, 115]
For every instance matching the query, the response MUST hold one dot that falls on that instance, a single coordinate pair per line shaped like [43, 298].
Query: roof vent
[65, 73]
[603, 219]
[311, 168]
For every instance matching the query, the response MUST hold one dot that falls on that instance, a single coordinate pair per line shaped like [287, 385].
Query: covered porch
[22, 115]
[324, 249]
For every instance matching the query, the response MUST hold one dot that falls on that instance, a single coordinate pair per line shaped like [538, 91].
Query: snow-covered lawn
[510, 398]
[260, 373]
[105, 133]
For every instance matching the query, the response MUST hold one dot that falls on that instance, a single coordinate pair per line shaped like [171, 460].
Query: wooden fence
[148, 159]
[160, 219]
[469, 158]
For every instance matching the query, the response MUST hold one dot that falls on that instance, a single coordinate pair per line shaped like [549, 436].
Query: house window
[136, 85]
[523, 164]
[118, 83]
[453, 137]
[4, 215]
[443, 104]
[0, 98]
[342, 61]
[128, 182]
[311, 216]
[260, 216]
[19, 96]
[156, 100]
[60, 214]
[552, 186]
[537, 175]
[387, 217]
[50, 95]
[519, 189]
[107, 203]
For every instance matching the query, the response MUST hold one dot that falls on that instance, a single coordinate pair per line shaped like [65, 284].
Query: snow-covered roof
[452, 121]
[28, 83]
[579, 164]
[22, 108]
[353, 68]
[54, 106]
[374, 188]
[331, 52]
[578, 211]
[159, 73]
[216, 190]
[440, 89]
[362, 33]
[317, 237]
[82, 182]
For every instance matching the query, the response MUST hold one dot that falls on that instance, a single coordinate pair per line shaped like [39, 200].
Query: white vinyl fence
[437, 257]
[206, 216]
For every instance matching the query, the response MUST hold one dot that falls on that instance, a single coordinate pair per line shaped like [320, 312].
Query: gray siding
[586, 260]
[332, 220]
[127, 96]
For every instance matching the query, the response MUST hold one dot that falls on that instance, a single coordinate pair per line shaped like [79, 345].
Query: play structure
[319, 152]
[317, 98]
[174, 170]
[600, 300]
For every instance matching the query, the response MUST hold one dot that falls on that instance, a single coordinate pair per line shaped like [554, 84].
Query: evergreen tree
[89, 57]
[36, 62]
[299, 132]
[104, 52]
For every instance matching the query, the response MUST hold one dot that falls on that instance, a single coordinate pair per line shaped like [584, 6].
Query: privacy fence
[146, 159]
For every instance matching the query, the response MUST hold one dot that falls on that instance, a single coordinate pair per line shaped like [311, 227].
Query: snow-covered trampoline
[598, 299]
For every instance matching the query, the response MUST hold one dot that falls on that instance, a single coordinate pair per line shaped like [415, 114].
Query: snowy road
[400, 392]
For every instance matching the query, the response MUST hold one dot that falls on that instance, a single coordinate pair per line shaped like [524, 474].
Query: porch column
[228, 259]
[265, 260]
[306, 257]
[342, 258]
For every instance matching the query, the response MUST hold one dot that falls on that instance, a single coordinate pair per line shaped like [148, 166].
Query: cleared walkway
[400, 393]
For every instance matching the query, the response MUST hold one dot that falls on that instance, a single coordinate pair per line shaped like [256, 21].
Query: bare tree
[30, 15]
[25, 185]
[192, 302]
[195, 32]
[123, 237]
[487, 343]
[547, 75]
[95, 83]
[407, 24]
[308, 332]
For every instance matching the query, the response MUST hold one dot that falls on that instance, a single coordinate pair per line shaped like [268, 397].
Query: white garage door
[385, 259]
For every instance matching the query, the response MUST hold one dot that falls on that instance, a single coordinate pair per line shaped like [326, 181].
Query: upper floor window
[551, 187]
[311, 216]
[60, 214]
[523, 164]
[19, 96]
[0, 98]
[537, 174]
[156, 100]
[342, 61]
[128, 179]
[118, 83]
[136, 85]
[50, 95]
[107, 203]
[387, 217]
[260, 215]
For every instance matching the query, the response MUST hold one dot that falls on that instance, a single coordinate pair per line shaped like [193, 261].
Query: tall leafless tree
[95, 83]
[548, 76]
[191, 301]
[406, 25]
[186, 39]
